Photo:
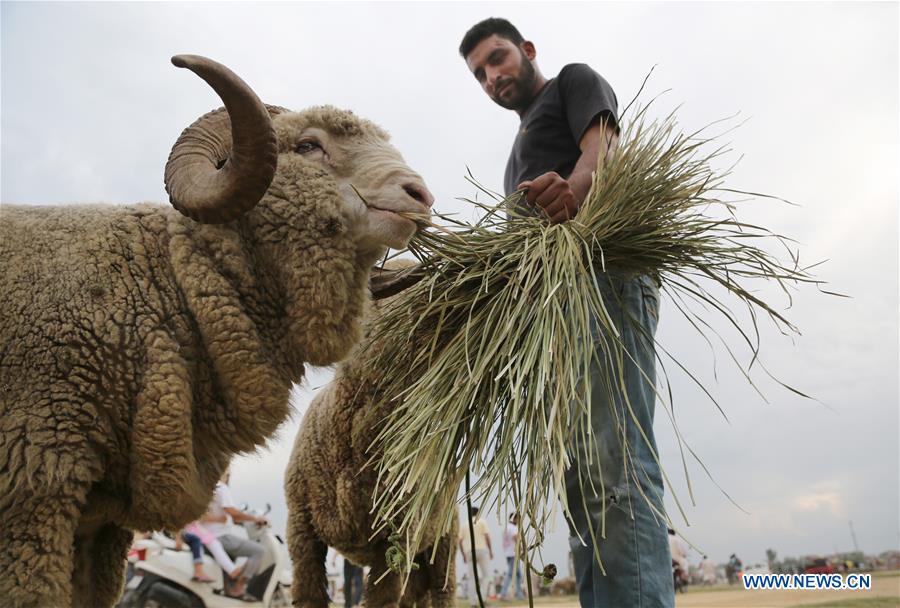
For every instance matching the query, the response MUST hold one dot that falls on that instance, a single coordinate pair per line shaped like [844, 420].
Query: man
[679, 551]
[733, 569]
[221, 509]
[484, 553]
[513, 566]
[707, 571]
[567, 123]
[680, 564]
[353, 584]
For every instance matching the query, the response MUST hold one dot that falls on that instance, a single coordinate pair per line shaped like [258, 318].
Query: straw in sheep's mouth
[418, 218]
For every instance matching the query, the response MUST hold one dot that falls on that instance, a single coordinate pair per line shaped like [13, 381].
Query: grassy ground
[868, 602]
[564, 600]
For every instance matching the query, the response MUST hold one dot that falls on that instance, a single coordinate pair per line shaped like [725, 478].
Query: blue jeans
[193, 541]
[513, 564]
[608, 492]
[353, 583]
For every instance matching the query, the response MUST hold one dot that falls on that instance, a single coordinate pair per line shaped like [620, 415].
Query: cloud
[825, 497]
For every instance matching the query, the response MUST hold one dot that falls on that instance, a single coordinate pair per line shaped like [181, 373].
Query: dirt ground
[886, 589]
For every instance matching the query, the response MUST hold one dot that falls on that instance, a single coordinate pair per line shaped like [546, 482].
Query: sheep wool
[330, 483]
[140, 350]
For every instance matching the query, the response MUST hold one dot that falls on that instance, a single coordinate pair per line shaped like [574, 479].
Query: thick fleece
[330, 483]
[140, 351]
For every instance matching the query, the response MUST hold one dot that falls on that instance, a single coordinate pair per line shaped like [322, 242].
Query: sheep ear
[386, 283]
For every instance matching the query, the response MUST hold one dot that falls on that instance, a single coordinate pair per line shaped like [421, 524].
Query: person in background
[208, 539]
[353, 582]
[221, 510]
[680, 563]
[679, 551]
[733, 569]
[484, 553]
[513, 566]
[196, 545]
[568, 128]
[497, 587]
[707, 571]
[738, 567]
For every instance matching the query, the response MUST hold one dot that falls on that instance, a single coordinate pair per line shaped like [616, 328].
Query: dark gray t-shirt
[554, 123]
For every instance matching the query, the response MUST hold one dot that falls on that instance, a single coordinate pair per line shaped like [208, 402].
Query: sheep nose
[420, 193]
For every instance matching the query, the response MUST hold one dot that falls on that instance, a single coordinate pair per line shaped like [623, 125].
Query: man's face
[504, 71]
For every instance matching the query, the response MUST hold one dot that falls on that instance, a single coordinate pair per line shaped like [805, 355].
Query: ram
[330, 485]
[142, 348]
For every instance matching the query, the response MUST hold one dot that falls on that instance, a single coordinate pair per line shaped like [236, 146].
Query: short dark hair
[486, 28]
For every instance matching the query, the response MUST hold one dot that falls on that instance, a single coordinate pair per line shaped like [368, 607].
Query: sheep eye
[307, 146]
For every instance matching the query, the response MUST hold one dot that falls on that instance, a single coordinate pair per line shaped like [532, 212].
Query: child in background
[196, 546]
[215, 547]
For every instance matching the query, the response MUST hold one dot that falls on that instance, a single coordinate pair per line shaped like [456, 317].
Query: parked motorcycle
[161, 577]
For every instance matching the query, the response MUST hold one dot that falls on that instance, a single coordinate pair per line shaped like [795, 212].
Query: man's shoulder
[222, 495]
[576, 70]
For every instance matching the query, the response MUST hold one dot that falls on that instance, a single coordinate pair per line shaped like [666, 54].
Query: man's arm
[210, 518]
[238, 516]
[487, 539]
[560, 198]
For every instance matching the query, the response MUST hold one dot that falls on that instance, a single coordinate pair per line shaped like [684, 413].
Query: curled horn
[222, 165]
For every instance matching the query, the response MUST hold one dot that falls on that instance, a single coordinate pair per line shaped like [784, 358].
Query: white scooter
[162, 576]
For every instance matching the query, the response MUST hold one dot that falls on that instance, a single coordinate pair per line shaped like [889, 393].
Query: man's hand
[561, 198]
[553, 194]
[240, 516]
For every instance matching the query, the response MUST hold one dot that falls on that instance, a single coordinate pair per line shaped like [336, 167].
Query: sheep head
[230, 159]
[377, 189]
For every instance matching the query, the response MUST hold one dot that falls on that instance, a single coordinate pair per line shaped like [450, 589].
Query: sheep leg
[384, 585]
[99, 566]
[308, 552]
[415, 594]
[442, 573]
[37, 532]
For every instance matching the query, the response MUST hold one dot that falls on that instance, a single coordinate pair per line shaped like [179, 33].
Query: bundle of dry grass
[506, 305]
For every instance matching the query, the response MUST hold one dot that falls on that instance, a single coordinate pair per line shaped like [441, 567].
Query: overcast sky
[91, 106]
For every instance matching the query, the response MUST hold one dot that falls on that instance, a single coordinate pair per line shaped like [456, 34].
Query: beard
[518, 90]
